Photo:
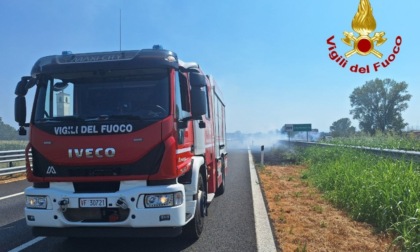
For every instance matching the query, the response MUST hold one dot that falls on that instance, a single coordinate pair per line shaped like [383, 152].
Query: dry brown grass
[304, 221]
[12, 178]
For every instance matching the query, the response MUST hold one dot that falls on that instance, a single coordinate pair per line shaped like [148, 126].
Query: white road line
[28, 244]
[265, 240]
[11, 196]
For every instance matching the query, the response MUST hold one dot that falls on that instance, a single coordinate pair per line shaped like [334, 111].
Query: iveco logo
[91, 153]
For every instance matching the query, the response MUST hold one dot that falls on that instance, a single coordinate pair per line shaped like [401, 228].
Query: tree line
[7, 132]
[378, 106]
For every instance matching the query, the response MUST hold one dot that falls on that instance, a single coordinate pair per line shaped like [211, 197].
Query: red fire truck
[124, 143]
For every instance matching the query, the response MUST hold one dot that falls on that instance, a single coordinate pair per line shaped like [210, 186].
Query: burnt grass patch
[278, 155]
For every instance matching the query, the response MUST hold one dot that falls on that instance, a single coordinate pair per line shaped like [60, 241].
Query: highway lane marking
[265, 239]
[11, 196]
[28, 244]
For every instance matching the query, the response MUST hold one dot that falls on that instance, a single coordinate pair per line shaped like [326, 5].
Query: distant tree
[7, 132]
[342, 128]
[378, 105]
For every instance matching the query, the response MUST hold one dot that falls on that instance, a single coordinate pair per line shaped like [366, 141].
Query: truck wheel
[221, 188]
[195, 227]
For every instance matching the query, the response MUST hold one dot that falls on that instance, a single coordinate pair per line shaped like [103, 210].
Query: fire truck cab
[124, 143]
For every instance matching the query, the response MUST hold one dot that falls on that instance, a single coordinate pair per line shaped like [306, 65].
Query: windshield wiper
[72, 118]
[61, 119]
[130, 117]
[108, 117]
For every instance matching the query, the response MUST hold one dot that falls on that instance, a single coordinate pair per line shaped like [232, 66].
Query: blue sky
[270, 58]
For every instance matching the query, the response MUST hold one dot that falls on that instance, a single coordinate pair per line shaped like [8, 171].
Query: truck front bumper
[131, 218]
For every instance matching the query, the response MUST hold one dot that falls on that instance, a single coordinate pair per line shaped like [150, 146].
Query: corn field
[378, 190]
[12, 145]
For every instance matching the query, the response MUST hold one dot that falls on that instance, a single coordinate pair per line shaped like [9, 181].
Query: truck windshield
[141, 97]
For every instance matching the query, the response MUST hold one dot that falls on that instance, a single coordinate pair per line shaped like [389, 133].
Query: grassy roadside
[303, 220]
[381, 191]
[6, 145]
[306, 218]
[409, 142]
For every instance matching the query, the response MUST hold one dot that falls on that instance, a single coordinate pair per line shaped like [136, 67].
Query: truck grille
[96, 187]
[147, 165]
[87, 215]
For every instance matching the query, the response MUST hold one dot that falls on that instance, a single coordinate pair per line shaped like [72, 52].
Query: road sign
[288, 127]
[302, 127]
[298, 127]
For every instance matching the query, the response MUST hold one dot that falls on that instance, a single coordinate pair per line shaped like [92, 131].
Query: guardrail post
[262, 154]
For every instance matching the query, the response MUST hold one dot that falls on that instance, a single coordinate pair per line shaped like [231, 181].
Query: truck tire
[194, 228]
[221, 188]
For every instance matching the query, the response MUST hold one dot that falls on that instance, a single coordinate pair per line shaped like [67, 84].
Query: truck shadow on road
[124, 244]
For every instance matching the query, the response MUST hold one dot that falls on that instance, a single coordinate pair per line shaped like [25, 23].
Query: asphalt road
[230, 225]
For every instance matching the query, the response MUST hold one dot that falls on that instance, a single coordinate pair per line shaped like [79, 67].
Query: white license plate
[92, 202]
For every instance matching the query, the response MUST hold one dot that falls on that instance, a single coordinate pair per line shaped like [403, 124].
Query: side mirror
[197, 79]
[20, 110]
[20, 113]
[198, 93]
[198, 102]
[21, 87]
[21, 90]
[60, 86]
[24, 85]
[31, 83]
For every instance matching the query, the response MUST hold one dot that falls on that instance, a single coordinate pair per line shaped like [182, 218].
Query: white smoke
[238, 140]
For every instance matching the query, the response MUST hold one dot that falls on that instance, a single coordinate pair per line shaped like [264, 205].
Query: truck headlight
[36, 202]
[163, 199]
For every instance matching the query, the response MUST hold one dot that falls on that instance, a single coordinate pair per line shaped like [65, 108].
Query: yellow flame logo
[364, 23]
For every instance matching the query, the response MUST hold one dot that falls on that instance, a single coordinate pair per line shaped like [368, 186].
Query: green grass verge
[383, 141]
[12, 145]
[381, 191]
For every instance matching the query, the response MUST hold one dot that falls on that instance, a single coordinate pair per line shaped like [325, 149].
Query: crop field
[407, 142]
[382, 192]
[12, 145]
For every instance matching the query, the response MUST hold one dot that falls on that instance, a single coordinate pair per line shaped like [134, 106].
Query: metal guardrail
[397, 154]
[9, 158]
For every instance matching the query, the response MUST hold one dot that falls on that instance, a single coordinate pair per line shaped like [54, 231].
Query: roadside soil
[12, 178]
[304, 221]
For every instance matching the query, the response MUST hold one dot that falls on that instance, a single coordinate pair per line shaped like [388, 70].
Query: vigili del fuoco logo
[362, 43]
